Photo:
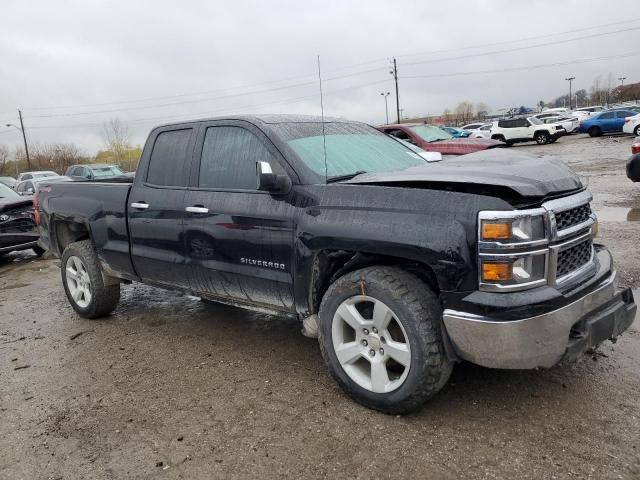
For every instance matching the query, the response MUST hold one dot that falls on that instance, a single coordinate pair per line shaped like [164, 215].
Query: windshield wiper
[348, 176]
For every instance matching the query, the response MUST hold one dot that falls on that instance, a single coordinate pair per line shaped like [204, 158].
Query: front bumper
[543, 340]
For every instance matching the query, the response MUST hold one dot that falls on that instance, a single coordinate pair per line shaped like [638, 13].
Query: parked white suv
[516, 130]
[632, 125]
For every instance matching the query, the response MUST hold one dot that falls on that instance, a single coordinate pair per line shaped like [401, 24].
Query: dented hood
[525, 175]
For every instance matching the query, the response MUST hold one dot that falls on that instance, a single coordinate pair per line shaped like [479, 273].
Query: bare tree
[117, 140]
[464, 111]
[4, 158]
[482, 110]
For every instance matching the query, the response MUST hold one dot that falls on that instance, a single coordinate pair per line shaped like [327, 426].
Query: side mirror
[269, 181]
[29, 191]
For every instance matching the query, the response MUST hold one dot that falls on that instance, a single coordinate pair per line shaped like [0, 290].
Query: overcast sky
[72, 65]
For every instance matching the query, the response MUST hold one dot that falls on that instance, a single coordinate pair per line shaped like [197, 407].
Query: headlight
[525, 228]
[499, 272]
[503, 237]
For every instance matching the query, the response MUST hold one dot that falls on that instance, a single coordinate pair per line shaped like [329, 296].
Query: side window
[28, 176]
[229, 157]
[625, 114]
[398, 134]
[169, 162]
[77, 172]
[607, 116]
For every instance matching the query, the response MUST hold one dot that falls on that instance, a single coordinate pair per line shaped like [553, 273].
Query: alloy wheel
[78, 281]
[370, 344]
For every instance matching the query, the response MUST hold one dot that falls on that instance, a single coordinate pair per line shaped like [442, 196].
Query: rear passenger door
[607, 121]
[156, 207]
[239, 241]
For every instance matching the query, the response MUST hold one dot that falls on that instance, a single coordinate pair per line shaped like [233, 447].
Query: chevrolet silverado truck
[402, 267]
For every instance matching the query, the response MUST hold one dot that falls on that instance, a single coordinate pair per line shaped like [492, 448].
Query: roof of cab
[267, 119]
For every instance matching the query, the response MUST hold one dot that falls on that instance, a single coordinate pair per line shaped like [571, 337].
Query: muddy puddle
[618, 214]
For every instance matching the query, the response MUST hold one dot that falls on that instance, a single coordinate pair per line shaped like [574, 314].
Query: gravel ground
[171, 387]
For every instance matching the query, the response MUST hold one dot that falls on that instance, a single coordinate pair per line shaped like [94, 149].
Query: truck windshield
[350, 147]
[429, 133]
[108, 171]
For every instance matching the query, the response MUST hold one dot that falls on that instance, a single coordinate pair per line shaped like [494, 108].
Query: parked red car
[434, 139]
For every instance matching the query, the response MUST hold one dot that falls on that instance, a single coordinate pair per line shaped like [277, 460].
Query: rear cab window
[170, 157]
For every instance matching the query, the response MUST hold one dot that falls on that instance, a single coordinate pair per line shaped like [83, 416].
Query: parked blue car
[456, 132]
[609, 121]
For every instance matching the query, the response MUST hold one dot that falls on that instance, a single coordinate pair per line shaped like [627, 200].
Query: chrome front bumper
[543, 340]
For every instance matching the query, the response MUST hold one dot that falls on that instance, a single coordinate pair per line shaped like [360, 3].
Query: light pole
[24, 137]
[386, 106]
[570, 79]
[622, 79]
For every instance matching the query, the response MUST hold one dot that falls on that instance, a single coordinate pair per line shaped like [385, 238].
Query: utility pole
[570, 79]
[24, 137]
[394, 72]
[386, 107]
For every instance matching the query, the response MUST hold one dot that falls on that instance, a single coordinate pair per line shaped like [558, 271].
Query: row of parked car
[595, 121]
[27, 182]
[17, 222]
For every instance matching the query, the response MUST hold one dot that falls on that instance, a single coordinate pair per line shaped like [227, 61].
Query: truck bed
[100, 206]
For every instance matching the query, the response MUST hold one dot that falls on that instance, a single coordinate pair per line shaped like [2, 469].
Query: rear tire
[636, 131]
[500, 138]
[83, 282]
[542, 138]
[594, 131]
[385, 324]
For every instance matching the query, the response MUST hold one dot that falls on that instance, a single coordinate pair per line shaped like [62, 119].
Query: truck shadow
[238, 334]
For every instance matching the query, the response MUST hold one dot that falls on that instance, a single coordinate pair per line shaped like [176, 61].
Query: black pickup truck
[402, 267]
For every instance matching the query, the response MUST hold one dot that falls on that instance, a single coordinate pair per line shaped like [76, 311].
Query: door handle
[140, 205]
[197, 210]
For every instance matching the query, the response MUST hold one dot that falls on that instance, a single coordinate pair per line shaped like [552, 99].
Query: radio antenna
[324, 138]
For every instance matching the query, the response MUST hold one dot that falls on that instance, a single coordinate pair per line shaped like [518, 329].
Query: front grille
[17, 220]
[574, 257]
[19, 225]
[573, 216]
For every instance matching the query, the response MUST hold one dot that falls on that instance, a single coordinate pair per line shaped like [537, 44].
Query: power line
[209, 113]
[527, 67]
[517, 41]
[346, 68]
[517, 49]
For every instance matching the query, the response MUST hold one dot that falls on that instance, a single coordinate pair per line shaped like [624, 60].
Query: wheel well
[329, 265]
[497, 137]
[541, 131]
[69, 232]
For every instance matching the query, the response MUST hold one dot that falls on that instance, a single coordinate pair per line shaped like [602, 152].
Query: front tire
[381, 338]
[542, 138]
[636, 131]
[594, 132]
[39, 251]
[83, 282]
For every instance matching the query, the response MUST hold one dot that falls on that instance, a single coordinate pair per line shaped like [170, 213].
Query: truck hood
[10, 203]
[515, 177]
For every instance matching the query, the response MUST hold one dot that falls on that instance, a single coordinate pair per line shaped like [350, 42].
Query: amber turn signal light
[496, 231]
[496, 272]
